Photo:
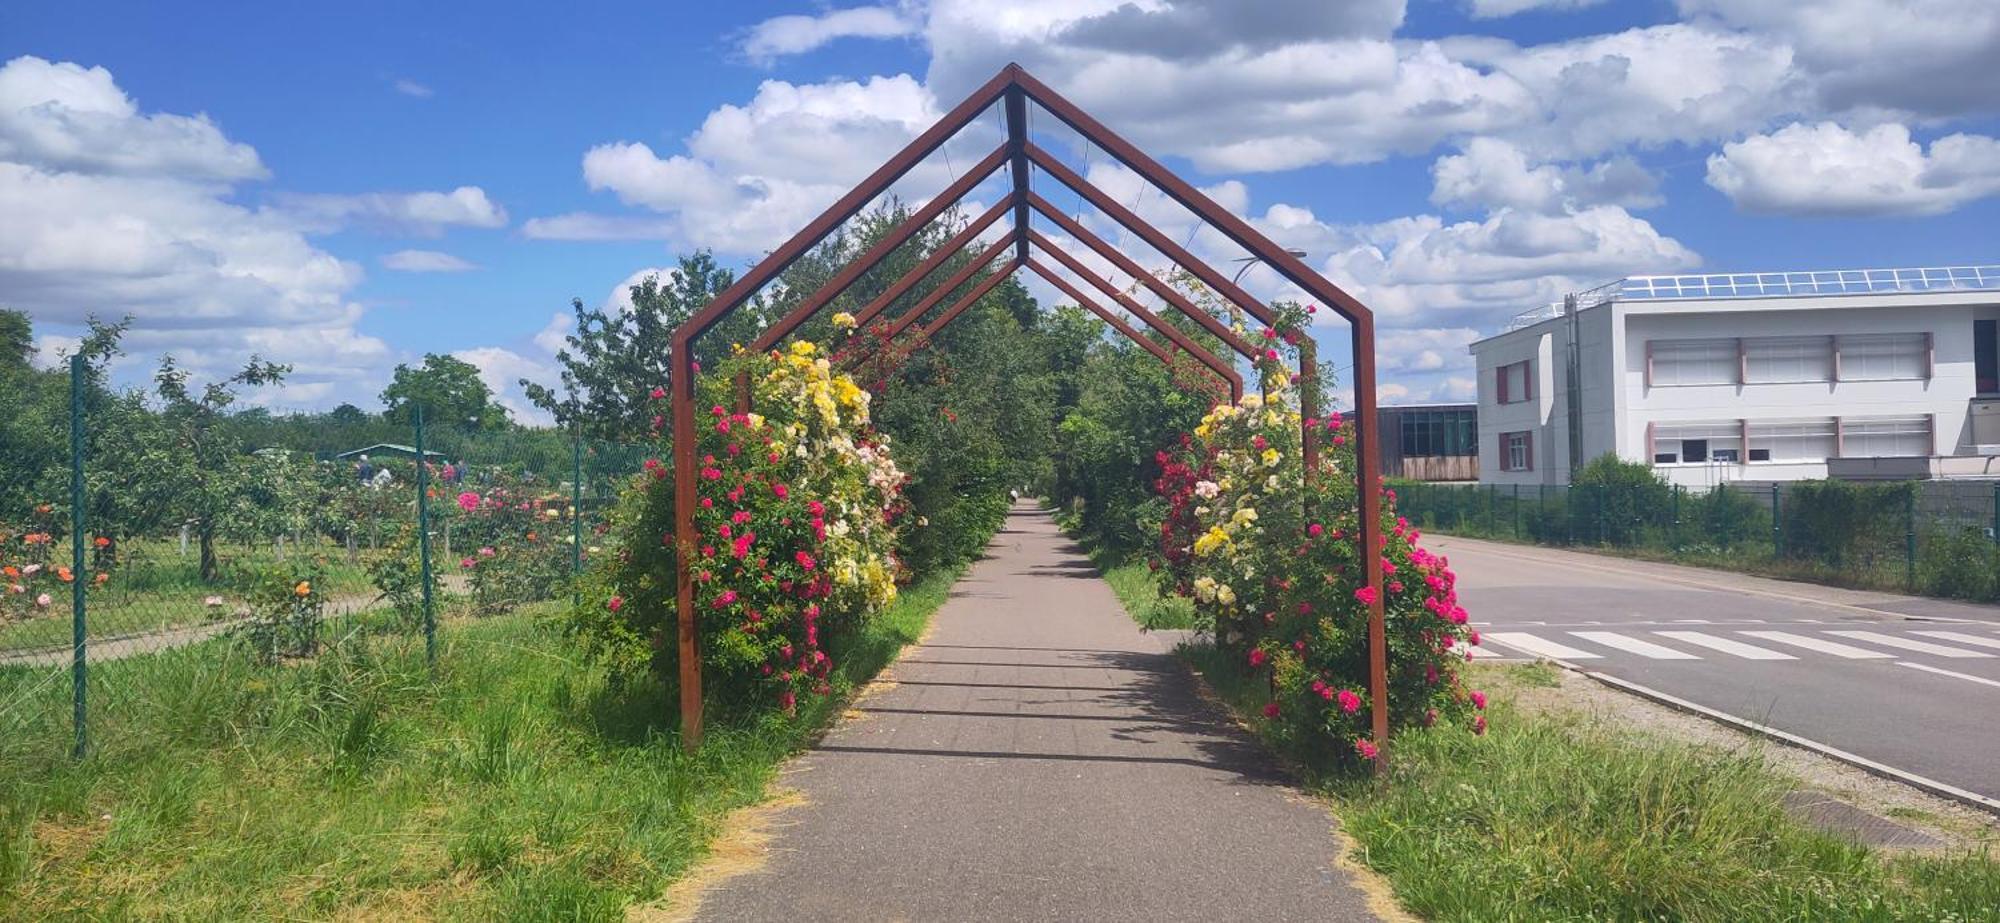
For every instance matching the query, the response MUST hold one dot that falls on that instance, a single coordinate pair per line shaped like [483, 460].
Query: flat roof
[1752, 285]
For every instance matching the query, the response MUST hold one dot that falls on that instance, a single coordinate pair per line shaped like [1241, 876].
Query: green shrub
[1961, 563]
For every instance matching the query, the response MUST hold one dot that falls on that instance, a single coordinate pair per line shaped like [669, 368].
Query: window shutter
[1505, 465]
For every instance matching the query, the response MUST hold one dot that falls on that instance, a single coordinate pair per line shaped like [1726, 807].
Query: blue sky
[345, 190]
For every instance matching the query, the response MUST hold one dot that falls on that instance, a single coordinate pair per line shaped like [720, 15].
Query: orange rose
[103, 542]
[303, 590]
[12, 572]
[63, 574]
[101, 578]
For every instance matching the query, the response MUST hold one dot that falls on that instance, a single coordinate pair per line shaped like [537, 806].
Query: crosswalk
[1968, 643]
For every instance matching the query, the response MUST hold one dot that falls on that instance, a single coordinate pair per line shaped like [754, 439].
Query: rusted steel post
[743, 391]
[1369, 494]
[689, 654]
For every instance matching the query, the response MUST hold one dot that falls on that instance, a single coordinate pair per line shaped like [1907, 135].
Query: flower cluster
[33, 579]
[517, 541]
[797, 510]
[1270, 553]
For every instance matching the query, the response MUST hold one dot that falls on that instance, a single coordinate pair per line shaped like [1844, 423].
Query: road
[1908, 683]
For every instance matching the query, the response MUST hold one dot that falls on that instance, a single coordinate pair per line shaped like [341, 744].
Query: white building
[1751, 377]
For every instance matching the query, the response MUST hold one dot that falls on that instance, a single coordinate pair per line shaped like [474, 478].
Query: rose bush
[35, 577]
[1271, 558]
[798, 513]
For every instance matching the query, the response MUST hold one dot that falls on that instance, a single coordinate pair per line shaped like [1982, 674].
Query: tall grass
[518, 783]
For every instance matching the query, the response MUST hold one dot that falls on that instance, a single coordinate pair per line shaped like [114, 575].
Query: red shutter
[1500, 377]
[1504, 465]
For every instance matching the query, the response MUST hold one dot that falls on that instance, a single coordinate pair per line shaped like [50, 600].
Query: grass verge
[518, 783]
[1551, 816]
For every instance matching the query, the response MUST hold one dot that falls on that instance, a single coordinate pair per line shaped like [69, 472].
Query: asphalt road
[1909, 683]
[1038, 758]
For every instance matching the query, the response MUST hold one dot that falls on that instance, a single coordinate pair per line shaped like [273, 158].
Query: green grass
[1554, 816]
[521, 783]
[1134, 583]
[156, 589]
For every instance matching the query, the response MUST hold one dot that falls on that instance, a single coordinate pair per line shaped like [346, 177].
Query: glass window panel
[1787, 359]
[1884, 357]
[1694, 362]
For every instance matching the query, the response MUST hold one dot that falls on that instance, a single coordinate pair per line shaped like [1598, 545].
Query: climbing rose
[616, 603]
[1366, 595]
[1366, 749]
[1349, 702]
[1256, 656]
[468, 501]
[1270, 709]
[1479, 700]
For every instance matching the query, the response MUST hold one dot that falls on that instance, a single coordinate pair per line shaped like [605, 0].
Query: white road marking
[1927, 668]
[1725, 645]
[1634, 645]
[1909, 644]
[1690, 621]
[1538, 647]
[1821, 645]
[1962, 638]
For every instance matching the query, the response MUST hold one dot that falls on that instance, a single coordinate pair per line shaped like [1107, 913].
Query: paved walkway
[1038, 757]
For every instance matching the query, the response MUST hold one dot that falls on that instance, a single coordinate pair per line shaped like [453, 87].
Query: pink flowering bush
[35, 578]
[798, 512]
[1273, 564]
[512, 544]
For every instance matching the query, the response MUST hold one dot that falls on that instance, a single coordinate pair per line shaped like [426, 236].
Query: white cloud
[1493, 173]
[1923, 57]
[426, 261]
[67, 117]
[1826, 169]
[620, 297]
[423, 214]
[501, 370]
[409, 87]
[1494, 9]
[794, 34]
[592, 226]
[754, 174]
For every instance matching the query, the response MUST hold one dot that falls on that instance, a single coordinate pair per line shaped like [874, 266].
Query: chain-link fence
[188, 556]
[1936, 537]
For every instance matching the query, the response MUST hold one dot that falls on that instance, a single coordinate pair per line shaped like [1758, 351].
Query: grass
[1552, 816]
[520, 783]
[157, 588]
[1134, 583]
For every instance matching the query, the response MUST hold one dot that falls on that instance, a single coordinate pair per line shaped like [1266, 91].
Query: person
[365, 471]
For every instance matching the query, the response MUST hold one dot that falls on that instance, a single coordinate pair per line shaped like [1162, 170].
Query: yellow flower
[844, 320]
[803, 348]
[1281, 381]
[1225, 595]
[756, 421]
[1252, 401]
[1214, 538]
[1204, 589]
[1271, 458]
[1244, 515]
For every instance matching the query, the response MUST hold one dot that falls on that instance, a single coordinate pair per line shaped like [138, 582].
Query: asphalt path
[1908, 683]
[1038, 758]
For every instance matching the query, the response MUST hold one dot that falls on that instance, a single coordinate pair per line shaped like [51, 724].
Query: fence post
[1777, 529]
[576, 516]
[79, 668]
[1910, 538]
[424, 542]
[1676, 539]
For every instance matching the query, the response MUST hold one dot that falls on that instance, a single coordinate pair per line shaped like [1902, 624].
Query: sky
[345, 189]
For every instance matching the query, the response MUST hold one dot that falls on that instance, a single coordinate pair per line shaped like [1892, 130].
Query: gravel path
[1038, 757]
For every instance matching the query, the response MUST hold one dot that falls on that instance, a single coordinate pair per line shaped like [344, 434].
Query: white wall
[1537, 416]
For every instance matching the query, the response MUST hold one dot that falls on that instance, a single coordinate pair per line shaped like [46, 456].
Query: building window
[1883, 357]
[1514, 382]
[1693, 362]
[1986, 356]
[1794, 440]
[1517, 452]
[1697, 443]
[1436, 432]
[1770, 360]
[1866, 437]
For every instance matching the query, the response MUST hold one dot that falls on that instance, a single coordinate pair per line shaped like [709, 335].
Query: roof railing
[1774, 285]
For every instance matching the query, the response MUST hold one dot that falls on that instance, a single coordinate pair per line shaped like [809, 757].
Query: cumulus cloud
[1827, 169]
[426, 261]
[795, 34]
[421, 214]
[1490, 172]
[502, 369]
[753, 174]
[66, 117]
[1929, 58]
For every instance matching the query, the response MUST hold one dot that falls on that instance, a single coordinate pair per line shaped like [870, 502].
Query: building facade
[1429, 442]
[1749, 377]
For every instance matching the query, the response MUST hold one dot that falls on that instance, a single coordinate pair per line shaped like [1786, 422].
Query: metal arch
[1209, 359]
[1015, 87]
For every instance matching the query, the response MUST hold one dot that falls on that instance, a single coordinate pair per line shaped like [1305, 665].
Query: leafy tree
[449, 390]
[614, 360]
[347, 415]
[197, 472]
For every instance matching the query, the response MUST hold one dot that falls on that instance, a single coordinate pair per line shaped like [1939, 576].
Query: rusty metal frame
[1014, 89]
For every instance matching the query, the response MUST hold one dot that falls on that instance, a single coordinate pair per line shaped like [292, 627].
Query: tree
[347, 415]
[196, 470]
[615, 359]
[449, 390]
